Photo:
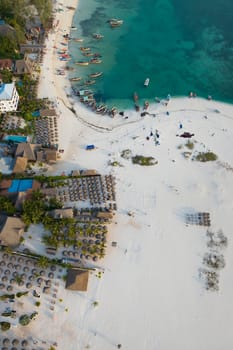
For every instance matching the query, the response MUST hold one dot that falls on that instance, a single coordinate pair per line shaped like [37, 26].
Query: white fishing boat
[147, 82]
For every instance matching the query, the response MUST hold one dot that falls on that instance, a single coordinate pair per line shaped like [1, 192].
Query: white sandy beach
[150, 296]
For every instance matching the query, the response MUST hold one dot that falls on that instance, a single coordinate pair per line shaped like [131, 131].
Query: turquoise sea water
[181, 46]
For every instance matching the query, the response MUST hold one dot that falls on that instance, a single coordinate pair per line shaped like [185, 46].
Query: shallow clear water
[181, 46]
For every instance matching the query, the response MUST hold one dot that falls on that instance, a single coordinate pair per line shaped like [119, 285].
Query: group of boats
[87, 98]
[89, 81]
[137, 107]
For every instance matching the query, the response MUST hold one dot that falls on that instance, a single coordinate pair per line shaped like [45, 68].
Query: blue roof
[2, 22]
[20, 185]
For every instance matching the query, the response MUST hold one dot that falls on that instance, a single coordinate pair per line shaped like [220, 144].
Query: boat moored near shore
[82, 63]
[96, 74]
[97, 36]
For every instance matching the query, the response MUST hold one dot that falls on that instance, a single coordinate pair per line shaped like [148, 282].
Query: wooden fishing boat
[87, 54]
[90, 82]
[97, 36]
[82, 63]
[82, 48]
[101, 108]
[95, 75]
[95, 60]
[114, 22]
[76, 79]
[113, 111]
[135, 97]
[78, 40]
[146, 105]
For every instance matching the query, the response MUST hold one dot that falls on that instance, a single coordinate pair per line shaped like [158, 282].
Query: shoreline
[149, 279]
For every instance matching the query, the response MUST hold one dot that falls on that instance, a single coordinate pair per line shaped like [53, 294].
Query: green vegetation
[115, 163]
[8, 47]
[37, 303]
[7, 296]
[43, 262]
[24, 320]
[206, 157]
[7, 206]
[126, 154]
[5, 326]
[20, 294]
[95, 303]
[141, 160]
[189, 145]
[34, 209]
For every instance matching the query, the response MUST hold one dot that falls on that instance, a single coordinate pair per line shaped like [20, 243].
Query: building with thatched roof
[77, 279]
[47, 112]
[26, 150]
[51, 156]
[23, 66]
[20, 165]
[11, 229]
[75, 173]
[89, 172]
[6, 64]
[62, 213]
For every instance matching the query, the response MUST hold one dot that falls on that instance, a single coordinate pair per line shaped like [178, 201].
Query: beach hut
[77, 279]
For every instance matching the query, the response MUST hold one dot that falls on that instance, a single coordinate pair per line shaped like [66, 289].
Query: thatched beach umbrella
[7, 272]
[24, 342]
[42, 273]
[6, 341]
[28, 285]
[4, 279]
[15, 342]
[12, 281]
[9, 288]
[10, 265]
[2, 263]
[51, 275]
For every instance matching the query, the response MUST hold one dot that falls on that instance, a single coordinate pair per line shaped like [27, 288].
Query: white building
[9, 98]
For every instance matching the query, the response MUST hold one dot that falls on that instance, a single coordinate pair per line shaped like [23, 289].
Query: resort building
[11, 229]
[9, 98]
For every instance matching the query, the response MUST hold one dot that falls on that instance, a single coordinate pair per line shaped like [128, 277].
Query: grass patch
[145, 161]
[206, 157]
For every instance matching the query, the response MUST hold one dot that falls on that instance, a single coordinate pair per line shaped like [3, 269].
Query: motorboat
[73, 28]
[95, 75]
[147, 82]
[114, 22]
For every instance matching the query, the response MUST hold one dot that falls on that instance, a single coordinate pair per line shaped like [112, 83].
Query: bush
[24, 320]
[37, 303]
[206, 157]
[5, 326]
[141, 160]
